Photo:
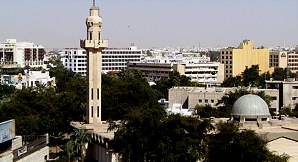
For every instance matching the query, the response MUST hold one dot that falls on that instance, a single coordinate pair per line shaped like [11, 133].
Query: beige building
[278, 59]
[236, 59]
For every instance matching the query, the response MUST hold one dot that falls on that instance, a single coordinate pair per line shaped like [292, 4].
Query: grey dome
[251, 105]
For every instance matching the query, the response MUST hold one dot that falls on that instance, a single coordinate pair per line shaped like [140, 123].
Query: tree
[125, 92]
[232, 144]
[250, 76]
[149, 135]
[232, 82]
[80, 139]
[282, 73]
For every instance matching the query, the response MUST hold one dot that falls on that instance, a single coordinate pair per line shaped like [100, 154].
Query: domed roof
[251, 105]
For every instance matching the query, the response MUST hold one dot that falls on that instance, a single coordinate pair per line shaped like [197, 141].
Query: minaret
[93, 46]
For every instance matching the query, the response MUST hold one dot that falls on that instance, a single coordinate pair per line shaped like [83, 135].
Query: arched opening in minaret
[98, 35]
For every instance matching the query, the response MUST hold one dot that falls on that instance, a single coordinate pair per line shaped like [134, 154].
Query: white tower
[93, 46]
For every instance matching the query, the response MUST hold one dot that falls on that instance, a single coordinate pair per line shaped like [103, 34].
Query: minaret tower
[94, 46]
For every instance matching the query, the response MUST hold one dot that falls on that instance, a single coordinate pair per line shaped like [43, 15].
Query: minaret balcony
[94, 43]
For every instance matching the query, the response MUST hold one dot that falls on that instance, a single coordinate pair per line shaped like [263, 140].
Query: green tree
[80, 139]
[123, 93]
[282, 73]
[251, 76]
[147, 134]
[232, 144]
[232, 82]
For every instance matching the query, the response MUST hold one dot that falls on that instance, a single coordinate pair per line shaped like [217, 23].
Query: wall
[39, 156]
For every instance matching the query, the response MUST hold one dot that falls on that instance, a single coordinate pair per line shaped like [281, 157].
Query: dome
[250, 105]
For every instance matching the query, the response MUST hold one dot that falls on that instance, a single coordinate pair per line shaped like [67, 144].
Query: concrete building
[189, 97]
[288, 92]
[21, 54]
[210, 73]
[278, 59]
[117, 59]
[28, 79]
[15, 149]
[113, 59]
[236, 59]
[94, 46]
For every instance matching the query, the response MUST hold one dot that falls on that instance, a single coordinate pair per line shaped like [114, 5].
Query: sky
[153, 23]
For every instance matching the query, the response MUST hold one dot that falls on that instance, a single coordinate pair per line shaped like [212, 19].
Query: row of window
[121, 52]
[206, 101]
[114, 64]
[121, 56]
[227, 62]
[226, 52]
[120, 60]
[227, 57]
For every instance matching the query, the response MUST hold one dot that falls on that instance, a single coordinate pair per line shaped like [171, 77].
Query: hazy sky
[153, 23]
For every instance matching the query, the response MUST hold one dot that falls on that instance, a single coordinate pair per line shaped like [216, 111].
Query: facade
[236, 59]
[288, 92]
[15, 149]
[189, 97]
[210, 73]
[278, 59]
[94, 46]
[112, 59]
[292, 63]
[117, 59]
[28, 79]
[21, 54]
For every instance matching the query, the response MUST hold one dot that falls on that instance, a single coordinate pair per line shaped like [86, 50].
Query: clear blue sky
[153, 23]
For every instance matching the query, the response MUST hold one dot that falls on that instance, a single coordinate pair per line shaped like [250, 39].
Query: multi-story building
[204, 73]
[283, 94]
[21, 54]
[278, 59]
[236, 59]
[284, 59]
[113, 59]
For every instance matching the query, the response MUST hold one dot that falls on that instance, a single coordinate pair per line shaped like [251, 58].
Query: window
[200, 100]
[227, 57]
[91, 111]
[212, 101]
[273, 97]
[97, 111]
[295, 87]
[230, 71]
[206, 101]
[97, 93]
[91, 93]
[222, 57]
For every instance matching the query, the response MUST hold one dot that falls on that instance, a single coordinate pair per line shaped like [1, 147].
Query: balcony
[94, 44]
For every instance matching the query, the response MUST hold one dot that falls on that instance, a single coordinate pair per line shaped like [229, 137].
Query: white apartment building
[210, 73]
[113, 59]
[21, 54]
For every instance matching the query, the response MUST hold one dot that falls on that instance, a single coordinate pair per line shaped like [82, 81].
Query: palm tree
[81, 138]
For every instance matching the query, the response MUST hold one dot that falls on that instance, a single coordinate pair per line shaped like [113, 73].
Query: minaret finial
[93, 2]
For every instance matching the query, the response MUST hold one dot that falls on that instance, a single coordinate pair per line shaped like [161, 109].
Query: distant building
[210, 73]
[21, 54]
[28, 79]
[112, 59]
[284, 59]
[236, 59]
